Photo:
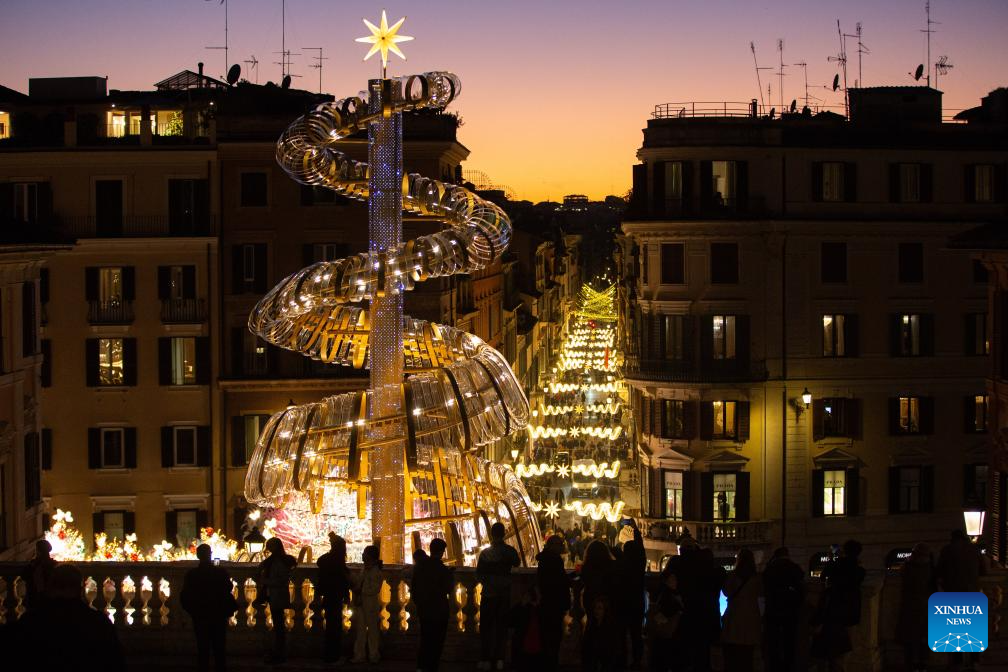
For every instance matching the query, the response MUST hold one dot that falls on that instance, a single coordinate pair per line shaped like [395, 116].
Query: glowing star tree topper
[384, 38]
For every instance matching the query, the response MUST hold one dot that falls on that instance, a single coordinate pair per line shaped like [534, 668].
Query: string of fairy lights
[577, 428]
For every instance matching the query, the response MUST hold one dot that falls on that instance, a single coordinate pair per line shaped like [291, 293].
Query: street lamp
[514, 454]
[974, 519]
[806, 397]
[254, 542]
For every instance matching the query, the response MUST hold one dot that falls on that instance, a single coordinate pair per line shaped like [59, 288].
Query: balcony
[110, 312]
[681, 371]
[183, 311]
[660, 531]
[136, 226]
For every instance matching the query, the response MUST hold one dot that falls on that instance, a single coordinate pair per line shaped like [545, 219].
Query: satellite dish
[285, 84]
[919, 72]
[794, 106]
[836, 82]
[233, 74]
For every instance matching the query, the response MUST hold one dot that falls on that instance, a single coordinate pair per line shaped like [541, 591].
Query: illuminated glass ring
[459, 393]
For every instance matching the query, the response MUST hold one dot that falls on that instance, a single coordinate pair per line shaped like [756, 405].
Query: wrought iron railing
[110, 312]
[137, 226]
[183, 311]
[682, 371]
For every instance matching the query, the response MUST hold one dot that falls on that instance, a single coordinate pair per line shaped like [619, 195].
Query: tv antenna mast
[227, 62]
[841, 58]
[780, 73]
[928, 30]
[759, 84]
[861, 49]
[942, 66]
[804, 66]
[285, 63]
[253, 64]
[318, 63]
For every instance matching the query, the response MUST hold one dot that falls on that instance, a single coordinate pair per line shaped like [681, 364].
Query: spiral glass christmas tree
[404, 454]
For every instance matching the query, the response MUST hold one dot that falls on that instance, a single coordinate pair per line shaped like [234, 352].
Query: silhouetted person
[554, 600]
[959, 568]
[784, 593]
[740, 633]
[36, 575]
[334, 590]
[207, 598]
[600, 584]
[665, 634]
[493, 570]
[632, 568]
[275, 574]
[602, 648]
[839, 607]
[65, 633]
[367, 645]
[431, 590]
[526, 643]
[917, 579]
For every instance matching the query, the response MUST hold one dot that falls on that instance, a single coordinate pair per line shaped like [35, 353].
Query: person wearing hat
[554, 600]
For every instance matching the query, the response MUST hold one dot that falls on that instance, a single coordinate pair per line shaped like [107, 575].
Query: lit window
[833, 181]
[834, 482]
[909, 335]
[724, 420]
[185, 527]
[110, 285]
[185, 446]
[983, 191]
[724, 497]
[723, 182]
[909, 415]
[5, 128]
[833, 336]
[724, 336]
[112, 451]
[673, 418]
[110, 361]
[183, 362]
[979, 423]
[674, 495]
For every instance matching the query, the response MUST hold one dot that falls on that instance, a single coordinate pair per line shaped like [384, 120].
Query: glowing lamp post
[974, 519]
[254, 542]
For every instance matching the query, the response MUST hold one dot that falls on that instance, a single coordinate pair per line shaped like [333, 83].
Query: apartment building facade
[770, 263]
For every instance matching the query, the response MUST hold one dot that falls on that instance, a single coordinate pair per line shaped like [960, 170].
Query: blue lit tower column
[385, 398]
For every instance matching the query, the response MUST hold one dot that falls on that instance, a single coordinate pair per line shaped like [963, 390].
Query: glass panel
[114, 527]
[185, 446]
[909, 182]
[984, 190]
[185, 526]
[724, 496]
[673, 180]
[719, 424]
[253, 425]
[833, 186]
[980, 413]
[183, 361]
[112, 447]
[110, 285]
[673, 495]
[673, 337]
[723, 182]
[724, 336]
[909, 488]
[834, 482]
[827, 332]
[110, 361]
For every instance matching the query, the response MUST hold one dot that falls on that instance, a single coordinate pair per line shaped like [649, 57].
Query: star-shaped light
[383, 38]
[563, 471]
[551, 510]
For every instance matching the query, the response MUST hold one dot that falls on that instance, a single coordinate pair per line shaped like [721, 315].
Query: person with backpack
[784, 594]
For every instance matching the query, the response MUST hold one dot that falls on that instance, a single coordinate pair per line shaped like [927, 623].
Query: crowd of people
[678, 625]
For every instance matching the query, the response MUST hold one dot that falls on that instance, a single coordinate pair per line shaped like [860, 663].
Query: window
[909, 183]
[254, 189]
[833, 181]
[110, 361]
[983, 183]
[113, 524]
[977, 416]
[909, 332]
[909, 489]
[673, 264]
[112, 448]
[724, 497]
[975, 490]
[724, 182]
[833, 263]
[5, 132]
[110, 285]
[909, 415]
[29, 319]
[725, 426]
[833, 335]
[25, 202]
[724, 262]
[186, 527]
[328, 251]
[673, 180]
[911, 262]
[644, 265]
[248, 263]
[176, 283]
[673, 418]
[184, 441]
[249, 268]
[32, 470]
[833, 420]
[724, 337]
[674, 344]
[674, 495]
[183, 360]
[977, 343]
[834, 483]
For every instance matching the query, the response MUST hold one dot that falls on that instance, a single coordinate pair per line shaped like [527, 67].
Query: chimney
[200, 66]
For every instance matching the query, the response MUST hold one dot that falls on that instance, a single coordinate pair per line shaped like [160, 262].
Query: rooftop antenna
[780, 72]
[227, 62]
[804, 66]
[318, 63]
[928, 30]
[861, 49]
[253, 64]
[759, 84]
[285, 63]
[942, 66]
[841, 58]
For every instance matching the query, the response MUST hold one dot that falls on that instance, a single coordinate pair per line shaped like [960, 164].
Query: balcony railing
[110, 312]
[183, 311]
[748, 533]
[136, 226]
[679, 371]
